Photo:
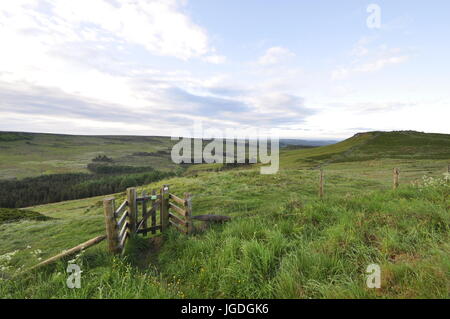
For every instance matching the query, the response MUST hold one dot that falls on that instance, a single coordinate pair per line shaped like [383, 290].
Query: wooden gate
[139, 215]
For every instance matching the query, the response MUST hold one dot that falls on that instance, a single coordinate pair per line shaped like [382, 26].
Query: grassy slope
[315, 156]
[8, 215]
[373, 145]
[405, 145]
[36, 154]
[282, 241]
[33, 154]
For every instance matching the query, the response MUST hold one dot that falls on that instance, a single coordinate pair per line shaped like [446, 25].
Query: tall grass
[298, 247]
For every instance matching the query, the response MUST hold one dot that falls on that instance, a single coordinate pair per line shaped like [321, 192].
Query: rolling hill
[33, 154]
[283, 241]
[373, 145]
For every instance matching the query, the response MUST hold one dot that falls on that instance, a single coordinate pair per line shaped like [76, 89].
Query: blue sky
[305, 69]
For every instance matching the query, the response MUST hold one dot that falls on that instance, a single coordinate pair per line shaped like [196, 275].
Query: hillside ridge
[349, 151]
[373, 145]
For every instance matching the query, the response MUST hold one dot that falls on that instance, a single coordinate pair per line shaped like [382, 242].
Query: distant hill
[374, 145]
[34, 154]
[306, 143]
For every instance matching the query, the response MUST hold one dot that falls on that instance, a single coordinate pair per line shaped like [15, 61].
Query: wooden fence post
[188, 208]
[132, 208]
[112, 234]
[396, 174]
[144, 212]
[321, 181]
[164, 207]
[153, 213]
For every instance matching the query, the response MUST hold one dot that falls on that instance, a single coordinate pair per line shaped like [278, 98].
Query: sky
[303, 69]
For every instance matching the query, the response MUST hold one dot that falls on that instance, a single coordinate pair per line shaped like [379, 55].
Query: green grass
[318, 155]
[283, 242]
[405, 145]
[8, 215]
[28, 154]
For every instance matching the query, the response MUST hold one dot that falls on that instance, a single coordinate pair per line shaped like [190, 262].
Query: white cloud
[215, 59]
[160, 26]
[275, 55]
[380, 63]
[360, 48]
[87, 48]
[91, 67]
[341, 73]
[364, 59]
[77, 63]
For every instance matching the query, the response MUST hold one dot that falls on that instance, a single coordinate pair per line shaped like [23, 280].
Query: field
[28, 155]
[34, 154]
[282, 242]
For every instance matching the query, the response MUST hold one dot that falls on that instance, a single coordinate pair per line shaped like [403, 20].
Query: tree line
[60, 187]
[99, 168]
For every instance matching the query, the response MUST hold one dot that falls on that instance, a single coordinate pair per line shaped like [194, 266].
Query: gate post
[132, 208]
[164, 207]
[112, 234]
[144, 212]
[321, 182]
[188, 208]
[154, 210]
[396, 174]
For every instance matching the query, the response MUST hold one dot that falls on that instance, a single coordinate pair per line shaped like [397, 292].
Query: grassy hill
[32, 154]
[283, 241]
[373, 145]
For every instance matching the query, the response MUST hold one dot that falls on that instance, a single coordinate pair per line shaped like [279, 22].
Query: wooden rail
[71, 251]
[180, 217]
